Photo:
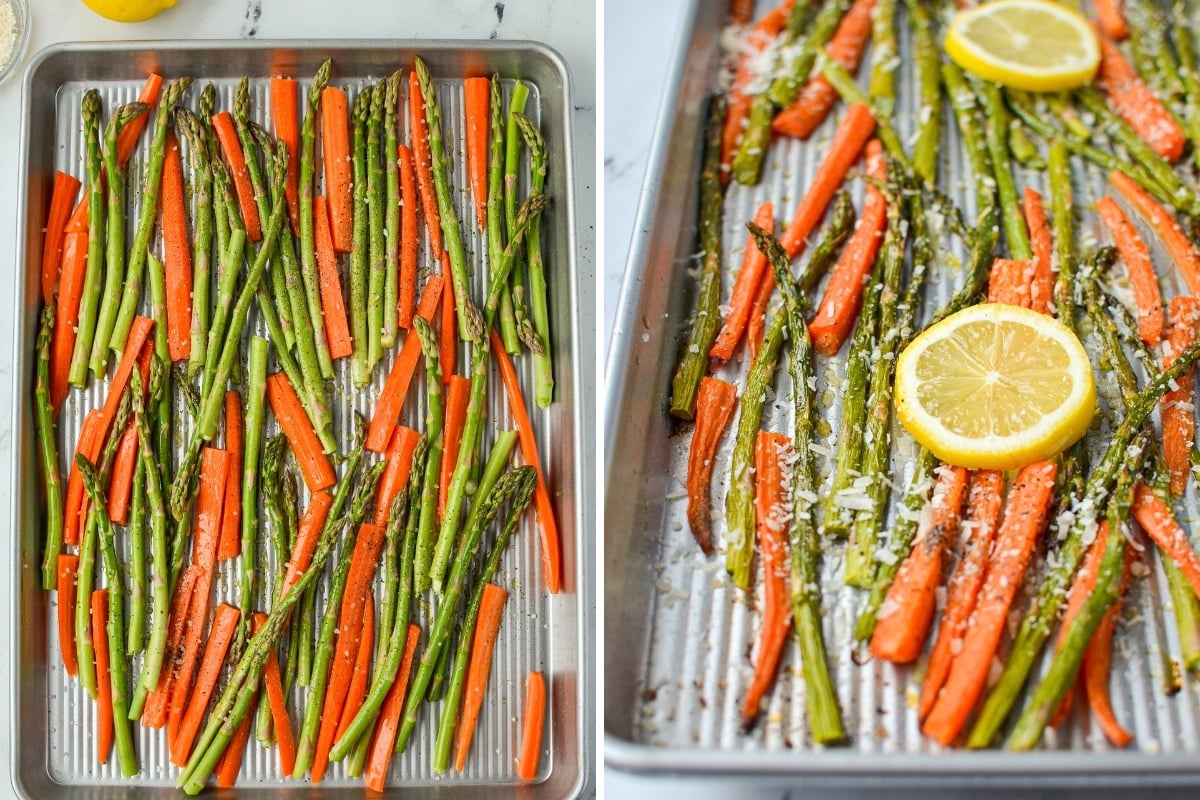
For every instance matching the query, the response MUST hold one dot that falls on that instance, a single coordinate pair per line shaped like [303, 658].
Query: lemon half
[129, 10]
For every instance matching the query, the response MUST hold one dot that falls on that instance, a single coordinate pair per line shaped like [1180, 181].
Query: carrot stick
[362, 667]
[219, 638]
[335, 153]
[900, 633]
[739, 99]
[448, 341]
[715, 403]
[78, 223]
[456, 415]
[138, 334]
[231, 147]
[1136, 103]
[154, 714]
[68, 564]
[395, 474]
[491, 612]
[74, 269]
[1097, 663]
[1164, 224]
[127, 139]
[1111, 19]
[311, 525]
[754, 264]
[1011, 282]
[337, 328]
[285, 116]
[231, 760]
[1041, 290]
[477, 93]
[772, 510]
[1142, 279]
[418, 132]
[1178, 414]
[278, 702]
[1028, 507]
[551, 565]
[978, 531]
[62, 201]
[231, 513]
[531, 726]
[843, 293]
[1083, 586]
[88, 446]
[177, 254]
[408, 238]
[120, 484]
[389, 717]
[314, 464]
[740, 12]
[391, 398]
[104, 713]
[812, 104]
[1159, 523]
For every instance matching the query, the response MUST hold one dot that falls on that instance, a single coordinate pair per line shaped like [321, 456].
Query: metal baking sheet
[679, 636]
[52, 731]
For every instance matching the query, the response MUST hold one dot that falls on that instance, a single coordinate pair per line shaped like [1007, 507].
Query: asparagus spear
[48, 449]
[360, 361]
[308, 252]
[427, 503]
[884, 56]
[995, 131]
[543, 367]
[376, 197]
[512, 162]
[391, 227]
[841, 80]
[229, 267]
[1022, 147]
[256, 385]
[929, 115]
[1185, 48]
[90, 297]
[202, 233]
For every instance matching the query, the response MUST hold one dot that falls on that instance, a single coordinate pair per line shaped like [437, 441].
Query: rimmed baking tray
[51, 729]
[678, 636]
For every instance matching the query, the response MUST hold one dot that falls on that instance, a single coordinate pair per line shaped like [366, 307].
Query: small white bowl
[21, 12]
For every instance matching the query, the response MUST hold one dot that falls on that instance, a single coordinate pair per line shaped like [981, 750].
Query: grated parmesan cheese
[8, 33]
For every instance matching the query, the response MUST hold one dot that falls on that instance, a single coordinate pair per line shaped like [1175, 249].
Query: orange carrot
[68, 565]
[335, 153]
[391, 398]
[219, 638]
[1164, 224]
[362, 667]
[740, 12]
[714, 410]
[177, 254]
[154, 715]
[1142, 279]
[483, 642]
[1111, 19]
[456, 416]
[408, 238]
[389, 717]
[285, 116]
[1041, 290]
[900, 633]
[739, 99]
[314, 464]
[127, 140]
[1159, 523]
[231, 514]
[541, 496]
[306, 538]
[1026, 512]
[62, 201]
[88, 445]
[978, 531]
[138, 334]
[1136, 103]
[74, 269]
[78, 223]
[278, 702]
[418, 132]
[1097, 662]
[120, 485]
[754, 264]
[1011, 282]
[812, 105]
[1178, 415]
[235, 159]
[771, 451]
[531, 726]
[395, 474]
[843, 293]
[104, 713]
[1083, 586]
[477, 95]
[448, 340]
[337, 328]
[230, 763]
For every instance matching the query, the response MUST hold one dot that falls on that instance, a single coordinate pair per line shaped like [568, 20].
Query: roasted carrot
[314, 464]
[235, 159]
[456, 416]
[89, 444]
[491, 611]
[231, 513]
[273, 682]
[978, 531]
[62, 201]
[120, 485]
[306, 538]
[154, 714]
[285, 116]
[739, 97]
[1159, 523]
[395, 389]
[740, 12]
[335, 153]
[531, 726]
[389, 717]
[408, 238]
[74, 268]
[418, 132]
[1011, 281]
[812, 104]
[1164, 224]
[395, 474]
[715, 403]
[547, 526]
[477, 95]
[900, 633]
[448, 335]
[1111, 19]
[1028, 506]
[1097, 663]
[337, 328]
[177, 254]
[1142, 279]
[104, 711]
[78, 223]
[127, 139]
[362, 667]
[1041, 290]
[1082, 587]
[1136, 103]
[219, 638]
[843, 292]
[1178, 414]
[231, 760]
[754, 264]
[68, 564]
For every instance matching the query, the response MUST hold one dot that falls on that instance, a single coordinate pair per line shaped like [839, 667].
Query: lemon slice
[995, 387]
[1027, 44]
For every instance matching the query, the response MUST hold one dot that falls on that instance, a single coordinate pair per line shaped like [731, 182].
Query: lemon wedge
[129, 10]
[1027, 44]
[995, 387]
